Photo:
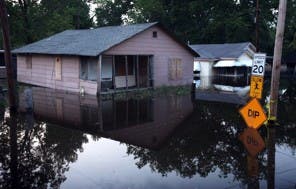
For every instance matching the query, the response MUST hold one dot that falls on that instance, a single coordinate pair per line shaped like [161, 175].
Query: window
[29, 62]
[175, 69]
[120, 69]
[58, 68]
[88, 68]
[154, 34]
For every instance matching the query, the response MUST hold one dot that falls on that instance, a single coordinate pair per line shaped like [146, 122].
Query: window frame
[88, 65]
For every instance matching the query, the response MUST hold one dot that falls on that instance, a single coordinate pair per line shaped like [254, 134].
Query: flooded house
[229, 59]
[146, 122]
[107, 59]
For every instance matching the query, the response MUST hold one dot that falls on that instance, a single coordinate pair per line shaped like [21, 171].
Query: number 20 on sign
[258, 66]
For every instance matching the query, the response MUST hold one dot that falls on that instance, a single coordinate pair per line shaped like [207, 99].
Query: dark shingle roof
[227, 50]
[89, 42]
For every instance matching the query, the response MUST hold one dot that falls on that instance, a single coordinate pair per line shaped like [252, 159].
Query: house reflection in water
[222, 89]
[146, 122]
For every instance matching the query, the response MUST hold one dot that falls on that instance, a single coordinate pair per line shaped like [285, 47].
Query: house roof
[88, 42]
[218, 51]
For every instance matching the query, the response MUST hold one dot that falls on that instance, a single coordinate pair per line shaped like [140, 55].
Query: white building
[229, 59]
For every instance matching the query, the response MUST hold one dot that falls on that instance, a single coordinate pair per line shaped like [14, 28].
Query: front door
[143, 71]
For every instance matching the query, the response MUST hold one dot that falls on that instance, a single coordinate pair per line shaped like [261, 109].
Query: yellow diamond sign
[252, 141]
[253, 114]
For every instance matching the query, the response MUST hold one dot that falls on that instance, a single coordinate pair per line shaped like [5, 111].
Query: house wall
[206, 68]
[163, 48]
[42, 73]
[245, 58]
[66, 109]
[58, 107]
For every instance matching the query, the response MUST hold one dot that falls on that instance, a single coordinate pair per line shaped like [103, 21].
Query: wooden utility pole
[7, 56]
[257, 26]
[276, 65]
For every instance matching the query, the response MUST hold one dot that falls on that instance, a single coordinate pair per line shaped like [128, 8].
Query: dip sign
[252, 112]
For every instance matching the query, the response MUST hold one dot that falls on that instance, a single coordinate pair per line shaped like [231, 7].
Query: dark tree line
[196, 21]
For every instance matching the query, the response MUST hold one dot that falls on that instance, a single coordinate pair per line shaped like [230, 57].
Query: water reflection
[222, 89]
[37, 156]
[146, 122]
[184, 142]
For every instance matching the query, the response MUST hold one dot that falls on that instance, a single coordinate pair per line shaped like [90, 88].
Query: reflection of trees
[205, 142]
[36, 156]
[286, 131]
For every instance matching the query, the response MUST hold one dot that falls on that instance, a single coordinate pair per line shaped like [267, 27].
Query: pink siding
[65, 109]
[90, 87]
[163, 48]
[43, 73]
[168, 113]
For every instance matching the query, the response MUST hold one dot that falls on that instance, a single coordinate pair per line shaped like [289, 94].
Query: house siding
[163, 48]
[55, 106]
[42, 72]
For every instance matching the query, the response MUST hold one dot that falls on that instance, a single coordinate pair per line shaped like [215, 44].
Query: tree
[209, 21]
[290, 30]
[62, 15]
[111, 12]
[32, 20]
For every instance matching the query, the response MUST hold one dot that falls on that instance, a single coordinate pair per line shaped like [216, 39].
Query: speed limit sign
[258, 67]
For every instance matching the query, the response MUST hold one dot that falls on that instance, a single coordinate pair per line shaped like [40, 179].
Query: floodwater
[64, 140]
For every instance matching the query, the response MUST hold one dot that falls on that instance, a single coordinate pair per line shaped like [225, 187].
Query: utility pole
[276, 65]
[7, 56]
[257, 26]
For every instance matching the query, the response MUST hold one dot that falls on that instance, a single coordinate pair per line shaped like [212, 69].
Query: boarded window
[88, 68]
[29, 62]
[175, 69]
[58, 68]
[120, 69]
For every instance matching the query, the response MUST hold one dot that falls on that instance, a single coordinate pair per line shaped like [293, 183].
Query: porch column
[126, 72]
[137, 72]
[113, 72]
[99, 76]
[148, 71]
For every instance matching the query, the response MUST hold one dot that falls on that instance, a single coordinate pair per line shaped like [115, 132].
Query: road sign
[256, 87]
[253, 114]
[252, 141]
[258, 66]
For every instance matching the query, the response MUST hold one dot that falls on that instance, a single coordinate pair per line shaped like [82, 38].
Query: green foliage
[208, 21]
[32, 20]
[290, 30]
[146, 93]
[110, 12]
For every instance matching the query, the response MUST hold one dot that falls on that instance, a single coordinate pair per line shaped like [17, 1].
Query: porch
[125, 72]
[114, 73]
